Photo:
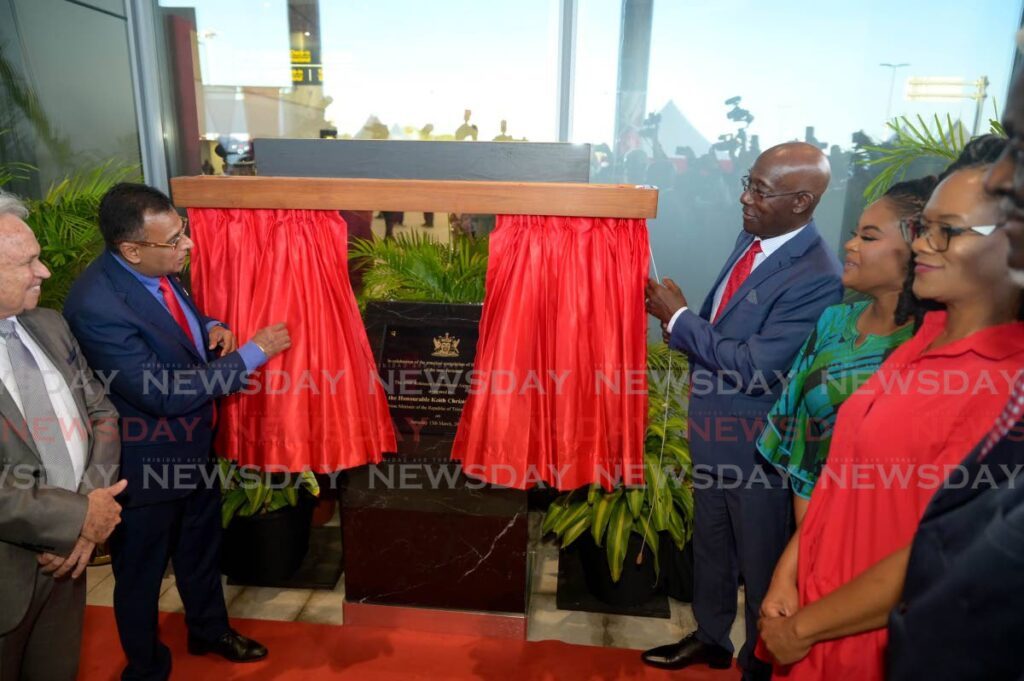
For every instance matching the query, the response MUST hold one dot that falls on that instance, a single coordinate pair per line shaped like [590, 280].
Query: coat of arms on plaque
[446, 346]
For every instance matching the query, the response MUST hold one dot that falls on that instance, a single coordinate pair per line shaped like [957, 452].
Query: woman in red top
[900, 435]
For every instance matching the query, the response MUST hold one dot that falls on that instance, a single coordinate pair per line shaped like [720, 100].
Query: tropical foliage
[247, 490]
[913, 142]
[664, 504]
[65, 223]
[65, 220]
[416, 267]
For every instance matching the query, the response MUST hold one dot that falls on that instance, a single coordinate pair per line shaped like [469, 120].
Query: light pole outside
[892, 86]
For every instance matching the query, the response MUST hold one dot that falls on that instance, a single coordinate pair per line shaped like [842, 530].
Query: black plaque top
[424, 354]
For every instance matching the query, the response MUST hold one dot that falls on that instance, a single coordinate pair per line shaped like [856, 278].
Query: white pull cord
[664, 430]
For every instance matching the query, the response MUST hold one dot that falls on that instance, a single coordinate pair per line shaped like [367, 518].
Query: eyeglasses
[761, 195]
[937, 234]
[174, 242]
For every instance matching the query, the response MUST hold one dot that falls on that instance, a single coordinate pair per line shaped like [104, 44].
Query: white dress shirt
[74, 428]
[768, 246]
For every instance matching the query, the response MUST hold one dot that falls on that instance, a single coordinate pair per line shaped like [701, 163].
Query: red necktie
[740, 272]
[179, 316]
[175, 308]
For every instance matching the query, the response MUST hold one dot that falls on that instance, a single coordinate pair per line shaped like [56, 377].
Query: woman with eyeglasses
[899, 436]
[848, 344]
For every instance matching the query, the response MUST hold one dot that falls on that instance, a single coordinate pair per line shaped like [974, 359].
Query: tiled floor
[545, 620]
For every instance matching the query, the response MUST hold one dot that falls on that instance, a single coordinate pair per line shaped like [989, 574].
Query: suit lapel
[15, 421]
[766, 269]
[176, 283]
[777, 261]
[741, 248]
[145, 304]
[68, 369]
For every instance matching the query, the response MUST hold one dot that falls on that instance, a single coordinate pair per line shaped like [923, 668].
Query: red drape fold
[560, 385]
[318, 405]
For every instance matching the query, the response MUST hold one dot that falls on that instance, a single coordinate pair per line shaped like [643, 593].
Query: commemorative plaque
[425, 370]
[417, 532]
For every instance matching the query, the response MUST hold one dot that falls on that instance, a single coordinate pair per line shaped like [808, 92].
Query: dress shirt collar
[996, 343]
[772, 244]
[152, 284]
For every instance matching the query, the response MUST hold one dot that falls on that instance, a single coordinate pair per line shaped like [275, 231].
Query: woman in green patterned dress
[850, 341]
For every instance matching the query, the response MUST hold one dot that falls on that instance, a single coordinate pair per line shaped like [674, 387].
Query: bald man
[768, 297]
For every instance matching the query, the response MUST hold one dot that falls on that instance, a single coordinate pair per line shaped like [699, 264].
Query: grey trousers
[46, 644]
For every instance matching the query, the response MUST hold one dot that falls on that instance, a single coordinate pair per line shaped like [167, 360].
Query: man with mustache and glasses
[169, 363]
[951, 598]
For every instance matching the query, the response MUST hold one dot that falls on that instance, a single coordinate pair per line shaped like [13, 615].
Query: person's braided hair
[979, 152]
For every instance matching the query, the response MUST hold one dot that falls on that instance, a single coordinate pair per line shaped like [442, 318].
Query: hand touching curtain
[318, 404]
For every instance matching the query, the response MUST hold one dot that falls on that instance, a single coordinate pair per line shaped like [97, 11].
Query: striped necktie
[43, 425]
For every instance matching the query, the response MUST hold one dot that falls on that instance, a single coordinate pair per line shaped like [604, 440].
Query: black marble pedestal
[457, 546]
[417, 532]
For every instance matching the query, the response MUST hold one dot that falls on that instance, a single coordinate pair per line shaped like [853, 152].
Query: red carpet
[310, 652]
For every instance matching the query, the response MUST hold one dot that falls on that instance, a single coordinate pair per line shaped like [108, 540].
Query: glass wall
[675, 93]
[728, 80]
[454, 69]
[66, 100]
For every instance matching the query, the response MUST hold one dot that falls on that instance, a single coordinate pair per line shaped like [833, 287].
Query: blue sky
[794, 62]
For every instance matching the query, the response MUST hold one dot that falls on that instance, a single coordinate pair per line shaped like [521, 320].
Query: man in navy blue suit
[768, 297]
[168, 364]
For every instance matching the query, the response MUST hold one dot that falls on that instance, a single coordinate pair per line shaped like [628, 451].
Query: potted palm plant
[623, 532]
[266, 519]
[415, 267]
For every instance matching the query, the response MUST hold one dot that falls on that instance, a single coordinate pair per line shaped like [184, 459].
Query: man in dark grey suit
[59, 447]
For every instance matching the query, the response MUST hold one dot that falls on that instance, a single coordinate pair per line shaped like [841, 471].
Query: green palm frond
[912, 142]
[65, 224]
[665, 502]
[995, 124]
[14, 170]
[416, 267]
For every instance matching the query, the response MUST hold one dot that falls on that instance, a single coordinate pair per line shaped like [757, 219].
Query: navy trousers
[740, 531]
[186, 532]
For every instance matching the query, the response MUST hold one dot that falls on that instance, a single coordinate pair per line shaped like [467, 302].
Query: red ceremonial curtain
[317, 405]
[559, 392]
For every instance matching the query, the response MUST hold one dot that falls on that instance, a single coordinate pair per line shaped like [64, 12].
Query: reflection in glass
[66, 101]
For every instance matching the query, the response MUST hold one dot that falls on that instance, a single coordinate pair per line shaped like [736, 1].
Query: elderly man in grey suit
[59, 448]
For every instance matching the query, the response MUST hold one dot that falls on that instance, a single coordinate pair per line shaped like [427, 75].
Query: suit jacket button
[902, 608]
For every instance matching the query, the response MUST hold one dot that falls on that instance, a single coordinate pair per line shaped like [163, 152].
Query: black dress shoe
[686, 652]
[231, 646]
